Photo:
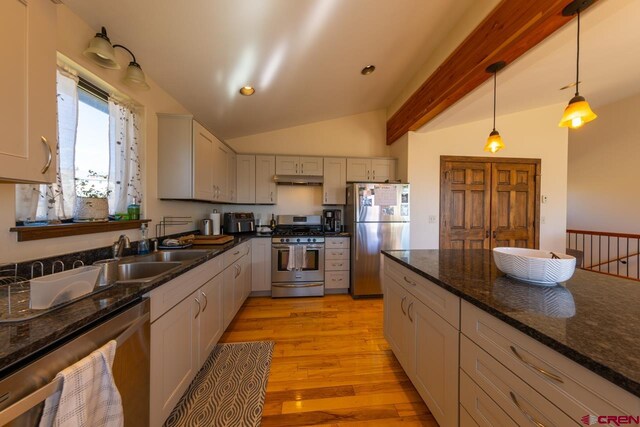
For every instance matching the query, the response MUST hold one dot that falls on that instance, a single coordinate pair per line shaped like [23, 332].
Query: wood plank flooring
[331, 364]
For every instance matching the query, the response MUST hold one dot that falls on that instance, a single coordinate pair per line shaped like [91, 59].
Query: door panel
[465, 198]
[513, 209]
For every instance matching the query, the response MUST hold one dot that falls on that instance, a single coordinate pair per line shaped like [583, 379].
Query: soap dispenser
[143, 244]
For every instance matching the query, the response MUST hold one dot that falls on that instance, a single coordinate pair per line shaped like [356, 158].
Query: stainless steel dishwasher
[22, 394]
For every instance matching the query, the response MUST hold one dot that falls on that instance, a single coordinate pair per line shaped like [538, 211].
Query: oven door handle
[309, 247]
[301, 285]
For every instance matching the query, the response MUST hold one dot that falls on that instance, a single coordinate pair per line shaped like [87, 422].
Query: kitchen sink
[144, 271]
[179, 255]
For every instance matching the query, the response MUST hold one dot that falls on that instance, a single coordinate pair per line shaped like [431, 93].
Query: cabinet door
[434, 355]
[383, 169]
[238, 286]
[210, 296]
[310, 166]
[265, 187]
[204, 146]
[358, 170]
[335, 181]
[261, 265]
[246, 179]
[228, 307]
[221, 172]
[231, 184]
[395, 319]
[287, 165]
[174, 357]
[28, 87]
[247, 272]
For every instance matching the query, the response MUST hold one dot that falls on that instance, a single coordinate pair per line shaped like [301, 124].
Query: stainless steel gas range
[297, 257]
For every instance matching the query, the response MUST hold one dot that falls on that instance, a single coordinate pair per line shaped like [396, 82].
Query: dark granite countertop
[593, 319]
[27, 340]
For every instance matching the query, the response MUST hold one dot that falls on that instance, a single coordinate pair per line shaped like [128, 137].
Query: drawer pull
[409, 281]
[402, 305]
[198, 312]
[206, 301]
[236, 252]
[409, 312]
[47, 164]
[525, 413]
[537, 368]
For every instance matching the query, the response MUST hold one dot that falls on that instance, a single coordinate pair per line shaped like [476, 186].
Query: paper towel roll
[215, 217]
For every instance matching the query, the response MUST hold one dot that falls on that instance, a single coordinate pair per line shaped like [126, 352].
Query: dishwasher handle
[30, 401]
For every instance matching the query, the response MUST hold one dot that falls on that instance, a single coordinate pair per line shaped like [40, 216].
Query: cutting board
[212, 240]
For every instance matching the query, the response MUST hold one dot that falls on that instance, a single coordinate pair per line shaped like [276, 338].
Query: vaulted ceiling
[303, 56]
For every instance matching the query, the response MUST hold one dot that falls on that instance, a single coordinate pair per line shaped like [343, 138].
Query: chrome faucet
[120, 245]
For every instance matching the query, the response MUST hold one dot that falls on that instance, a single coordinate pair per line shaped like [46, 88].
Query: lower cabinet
[336, 265]
[261, 265]
[187, 326]
[427, 348]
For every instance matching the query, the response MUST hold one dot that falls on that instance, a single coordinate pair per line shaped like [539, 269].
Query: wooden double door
[489, 202]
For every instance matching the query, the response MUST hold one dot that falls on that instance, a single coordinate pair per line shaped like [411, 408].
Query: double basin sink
[145, 268]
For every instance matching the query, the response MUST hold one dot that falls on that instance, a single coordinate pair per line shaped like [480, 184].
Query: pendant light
[578, 112]
[494, 142]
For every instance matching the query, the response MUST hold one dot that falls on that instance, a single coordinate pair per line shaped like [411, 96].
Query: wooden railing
[616, 254]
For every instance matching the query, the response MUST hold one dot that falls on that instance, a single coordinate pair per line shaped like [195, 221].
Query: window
[97, 156]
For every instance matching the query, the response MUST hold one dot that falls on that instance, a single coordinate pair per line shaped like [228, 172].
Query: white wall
[360, 135]
[73, 37]
[604, 170]
[529, 134]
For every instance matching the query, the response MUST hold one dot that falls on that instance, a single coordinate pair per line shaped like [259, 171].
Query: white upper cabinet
[28, 87]
[265, 186]
[204, 147]
[221, 172]
[371, 170]
[246, 178]
[232, 160]
[294, 165]
[334, 181]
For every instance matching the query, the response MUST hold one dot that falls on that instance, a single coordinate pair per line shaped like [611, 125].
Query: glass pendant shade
[494, 142]
[101, 52]
[577, 113]
[135, 77]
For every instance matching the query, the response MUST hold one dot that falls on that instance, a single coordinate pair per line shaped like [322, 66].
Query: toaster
[238, 222]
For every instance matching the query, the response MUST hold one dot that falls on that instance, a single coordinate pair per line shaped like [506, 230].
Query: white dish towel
[291, 262]
[89, 397]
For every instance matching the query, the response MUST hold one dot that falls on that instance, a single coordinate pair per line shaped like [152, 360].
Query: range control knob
[314, 240]
[286, 240]
[297, 240]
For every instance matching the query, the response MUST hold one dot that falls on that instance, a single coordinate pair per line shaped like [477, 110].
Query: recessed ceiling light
[247, 90]
[368, 70]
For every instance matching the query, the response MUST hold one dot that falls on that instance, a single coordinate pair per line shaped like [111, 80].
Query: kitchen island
[573, 347]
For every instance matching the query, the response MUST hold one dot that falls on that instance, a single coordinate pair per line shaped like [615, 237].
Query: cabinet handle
[402, 304]
[486, 235]
[206, 301]
[271, 196]
[46, 166]
[325, 197]
[537, 368]
[296, 168]
[409, 281]
[494, 234]
[525, 413]
[409, 312]
[236, 252]
[198, 312]
[368, 175]
[238, 270]
[374, 174]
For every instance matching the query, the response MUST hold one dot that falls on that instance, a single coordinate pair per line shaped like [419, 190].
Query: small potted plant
[91, 198]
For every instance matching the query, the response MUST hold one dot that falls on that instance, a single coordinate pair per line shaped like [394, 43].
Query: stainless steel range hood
[298, 180]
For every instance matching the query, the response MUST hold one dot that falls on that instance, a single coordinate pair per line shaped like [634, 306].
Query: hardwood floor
[331, 364]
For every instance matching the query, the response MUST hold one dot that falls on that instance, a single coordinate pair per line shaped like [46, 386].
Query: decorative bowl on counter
[535, 266]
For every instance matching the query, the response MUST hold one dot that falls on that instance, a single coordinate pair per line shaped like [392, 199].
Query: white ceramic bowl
[535, 266]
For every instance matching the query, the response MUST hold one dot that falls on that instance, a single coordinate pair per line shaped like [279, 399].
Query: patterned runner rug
[229, 390]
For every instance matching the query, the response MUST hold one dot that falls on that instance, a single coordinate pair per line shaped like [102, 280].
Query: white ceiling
[609, 68]
[303, 56]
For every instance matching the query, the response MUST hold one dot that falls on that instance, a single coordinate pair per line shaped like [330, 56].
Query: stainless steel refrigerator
[377, 216]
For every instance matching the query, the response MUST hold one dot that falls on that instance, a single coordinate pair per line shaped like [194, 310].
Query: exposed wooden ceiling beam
[510, 30]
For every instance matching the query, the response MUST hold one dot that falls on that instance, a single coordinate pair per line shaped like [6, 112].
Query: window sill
[52, 231]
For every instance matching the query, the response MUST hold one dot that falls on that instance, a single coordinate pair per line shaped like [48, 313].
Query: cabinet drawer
[484, 411]
[443, 302]
[336, 254]
[336, 242]
[574, 389]
[336, 264]
[336, 280]
[171, 293]
[234, 254]
[513, 395]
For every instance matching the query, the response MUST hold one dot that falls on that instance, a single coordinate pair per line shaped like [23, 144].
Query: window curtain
[53, 202]
[125, 175]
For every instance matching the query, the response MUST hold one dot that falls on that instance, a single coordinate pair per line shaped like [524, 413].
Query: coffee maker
[332, 220]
